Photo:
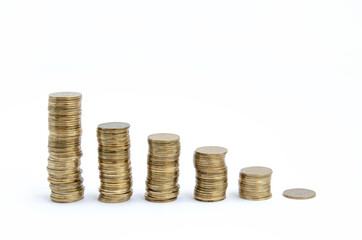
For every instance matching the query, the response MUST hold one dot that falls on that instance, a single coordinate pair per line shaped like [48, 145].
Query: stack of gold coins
[211, 174]
[65, 179]
[163, 167]
[114, 162]
[254, 183]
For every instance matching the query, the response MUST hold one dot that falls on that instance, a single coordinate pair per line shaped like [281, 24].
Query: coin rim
[65, 94]
[250, 171]
[211, 150]
[114, 125]
[312, 194]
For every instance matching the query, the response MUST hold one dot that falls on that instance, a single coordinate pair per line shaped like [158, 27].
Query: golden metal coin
[113, 125]
[299, 193]
[164, 137]
[58, 95]
[256, 171]
[211, 150]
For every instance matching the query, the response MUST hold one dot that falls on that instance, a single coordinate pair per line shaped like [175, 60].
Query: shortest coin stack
[211, 174]
[254, 183]
[114, 162]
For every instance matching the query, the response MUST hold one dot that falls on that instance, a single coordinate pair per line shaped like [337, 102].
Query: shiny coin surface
[65, 95]
[210, 150]
[299, 193]
[114, 125]
[256, 171]
[163, 137]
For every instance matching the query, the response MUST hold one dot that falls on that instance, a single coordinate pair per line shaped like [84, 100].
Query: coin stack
[211, 174]
[65, 179]
[254, 183]
[114, 162]
[163, 167]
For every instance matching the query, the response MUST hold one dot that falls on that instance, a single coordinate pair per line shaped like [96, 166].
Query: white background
[279, 83]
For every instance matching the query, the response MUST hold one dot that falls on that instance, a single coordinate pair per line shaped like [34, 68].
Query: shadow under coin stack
[211, 174]
[65, 179]
[163, 167]
[254, 183]
[114, 162]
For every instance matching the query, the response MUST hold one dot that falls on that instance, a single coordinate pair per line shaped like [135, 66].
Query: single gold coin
[299, 193]
[65, 95]
[211, 150]
[163, 137]
[258, 171]
[113, 125]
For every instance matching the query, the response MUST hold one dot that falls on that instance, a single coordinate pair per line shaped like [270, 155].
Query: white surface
[276, 82]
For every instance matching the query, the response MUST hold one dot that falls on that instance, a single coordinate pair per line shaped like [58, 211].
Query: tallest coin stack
[64, 147]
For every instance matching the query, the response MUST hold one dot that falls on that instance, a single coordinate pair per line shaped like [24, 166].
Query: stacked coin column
[163, 167]
[211, 174]
[64, 147]
[254, 183]
[114, 162]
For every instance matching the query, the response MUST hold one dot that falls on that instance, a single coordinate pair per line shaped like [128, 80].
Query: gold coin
[58, 95]
[211, 150]
[163, 137]
[299, 193]
[256, 171]
[114, 125]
